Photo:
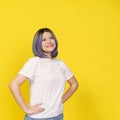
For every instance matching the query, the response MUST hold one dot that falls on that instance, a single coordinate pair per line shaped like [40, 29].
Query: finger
[36, 110]
[38, 104]
[40, 108]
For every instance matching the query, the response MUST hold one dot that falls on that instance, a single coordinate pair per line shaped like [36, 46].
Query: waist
[44, 115]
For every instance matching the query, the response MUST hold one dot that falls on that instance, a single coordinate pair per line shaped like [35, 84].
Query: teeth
[50, 46]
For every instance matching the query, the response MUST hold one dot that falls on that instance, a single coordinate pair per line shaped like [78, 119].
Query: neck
[49, 55]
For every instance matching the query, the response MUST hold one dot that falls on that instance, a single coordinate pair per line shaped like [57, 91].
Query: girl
[47, 76]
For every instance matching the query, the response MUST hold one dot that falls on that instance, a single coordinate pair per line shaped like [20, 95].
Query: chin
[50, 49]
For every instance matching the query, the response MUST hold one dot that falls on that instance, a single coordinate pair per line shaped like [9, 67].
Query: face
[48, 43]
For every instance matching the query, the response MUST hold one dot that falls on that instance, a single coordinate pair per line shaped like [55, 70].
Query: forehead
[46, 34]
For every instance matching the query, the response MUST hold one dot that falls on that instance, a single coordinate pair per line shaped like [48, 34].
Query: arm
[15, 89]
[73, 87]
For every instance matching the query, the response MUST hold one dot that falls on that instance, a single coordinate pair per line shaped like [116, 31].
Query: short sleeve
[67, 72]
[28, 68]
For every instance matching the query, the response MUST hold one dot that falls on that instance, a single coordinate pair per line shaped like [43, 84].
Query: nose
[48, 40]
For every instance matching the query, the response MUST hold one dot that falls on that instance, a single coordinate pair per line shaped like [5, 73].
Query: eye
[43, 39]
[51, 37]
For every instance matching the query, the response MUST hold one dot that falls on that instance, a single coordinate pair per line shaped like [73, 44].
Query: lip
[52, 45]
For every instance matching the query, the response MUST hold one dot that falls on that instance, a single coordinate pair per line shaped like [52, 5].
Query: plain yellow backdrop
[88, 33]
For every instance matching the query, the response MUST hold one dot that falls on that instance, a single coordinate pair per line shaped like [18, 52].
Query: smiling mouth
[52, 45]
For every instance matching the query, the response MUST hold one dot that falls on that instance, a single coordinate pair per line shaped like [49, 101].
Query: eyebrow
[49, 37]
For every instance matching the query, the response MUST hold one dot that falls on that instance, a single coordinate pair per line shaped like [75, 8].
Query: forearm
[15, 89]
[69, 92]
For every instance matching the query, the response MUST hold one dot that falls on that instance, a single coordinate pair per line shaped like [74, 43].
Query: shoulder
[32, 60]
[59, 61]
[35, 58]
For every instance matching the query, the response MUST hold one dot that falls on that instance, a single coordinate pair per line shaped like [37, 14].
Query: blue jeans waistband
[59, 117]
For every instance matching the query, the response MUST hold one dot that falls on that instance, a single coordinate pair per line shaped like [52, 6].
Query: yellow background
[88, 33]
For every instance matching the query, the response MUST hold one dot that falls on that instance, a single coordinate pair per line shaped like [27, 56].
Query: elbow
[12, 85]
[75, 85]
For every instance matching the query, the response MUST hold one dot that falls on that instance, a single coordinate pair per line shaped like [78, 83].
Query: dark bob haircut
[37, 43]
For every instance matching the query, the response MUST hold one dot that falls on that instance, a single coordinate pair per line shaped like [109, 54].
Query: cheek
[43, 44]
[54, 43]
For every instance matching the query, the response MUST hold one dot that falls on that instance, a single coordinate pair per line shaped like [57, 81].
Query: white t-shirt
[47, 82]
